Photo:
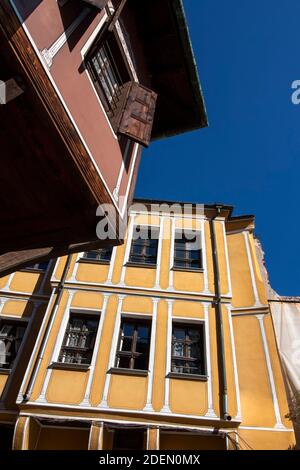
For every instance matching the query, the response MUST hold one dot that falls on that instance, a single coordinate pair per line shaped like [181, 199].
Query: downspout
[219, 319]
[58, 290]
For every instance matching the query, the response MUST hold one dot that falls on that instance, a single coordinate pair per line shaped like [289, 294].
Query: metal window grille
[11, 336]
[188, 354]
[79, 339]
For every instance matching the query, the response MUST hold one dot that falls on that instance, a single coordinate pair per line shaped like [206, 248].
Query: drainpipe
[58, 291]
[219, 319]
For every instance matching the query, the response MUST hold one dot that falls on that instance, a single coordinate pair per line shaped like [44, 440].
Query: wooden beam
[9, 90]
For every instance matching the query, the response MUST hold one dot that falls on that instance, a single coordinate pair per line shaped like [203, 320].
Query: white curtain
[286, 318]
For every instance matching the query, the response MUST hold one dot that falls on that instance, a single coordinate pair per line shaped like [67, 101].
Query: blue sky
[248, 56]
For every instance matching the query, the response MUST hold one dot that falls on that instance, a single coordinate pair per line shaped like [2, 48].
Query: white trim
[235, 368]
[253, 280]
[161, 213]
[26, 425]
[34, 357]
[279, 424]
[159, 252]
[112, 355]
[56, 349]
[148, 292]
[111, 266]
[173, 221]
[49, 53]
[204, 258]
[148, 406]
[166, 408]
[127, 250]
[126, 411]
[126, 421]
[254, 428]
[210, 401]
[86, 399]
[227, 261]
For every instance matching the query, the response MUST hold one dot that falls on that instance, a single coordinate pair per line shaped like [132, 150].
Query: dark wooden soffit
[49, 187]
[164, 35]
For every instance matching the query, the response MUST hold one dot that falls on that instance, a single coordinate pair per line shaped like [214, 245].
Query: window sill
[135, 372]
[93, 261]
[189, 270]
[4, 371]
[177, 375]
[33, 270]
[66, 366]
[140, 265]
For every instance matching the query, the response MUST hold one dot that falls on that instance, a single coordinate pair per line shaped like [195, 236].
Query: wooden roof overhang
[49, 188]
[164, 34]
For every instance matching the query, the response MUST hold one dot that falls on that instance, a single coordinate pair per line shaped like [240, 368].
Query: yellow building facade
[163, 344]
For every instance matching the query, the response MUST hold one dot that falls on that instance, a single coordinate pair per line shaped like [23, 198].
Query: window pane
[79, 340]
[11, 336]
[124, 362]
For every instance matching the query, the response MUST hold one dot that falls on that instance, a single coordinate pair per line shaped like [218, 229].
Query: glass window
[134, 344]
[187, 252]
[108, 70]
[144, 246]
[188, 356]
[79, 340]
[103, 254]
[11, 336]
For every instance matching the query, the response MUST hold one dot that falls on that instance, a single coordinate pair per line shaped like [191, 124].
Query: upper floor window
[144, 246]
[134, 344]
[11, 336]
[79, 339]
[103, 255]
[187, 251]
[109, 71]
[129, 105]
[188, 352]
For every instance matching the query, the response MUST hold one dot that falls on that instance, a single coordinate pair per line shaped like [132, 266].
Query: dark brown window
[11, 336]
[187, 253]
[134, 344]
[79, 339]
[144, 246]
[188, 353]
[109, 72]
[128, 439]
[103, 254]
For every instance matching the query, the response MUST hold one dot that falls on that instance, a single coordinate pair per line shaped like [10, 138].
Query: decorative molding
[210, 404]
[86, 399]
[235, 368]
[48, 54]
[166, 408]
[148, 406]
[279, 424]
[112, 355]
[252, 274]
